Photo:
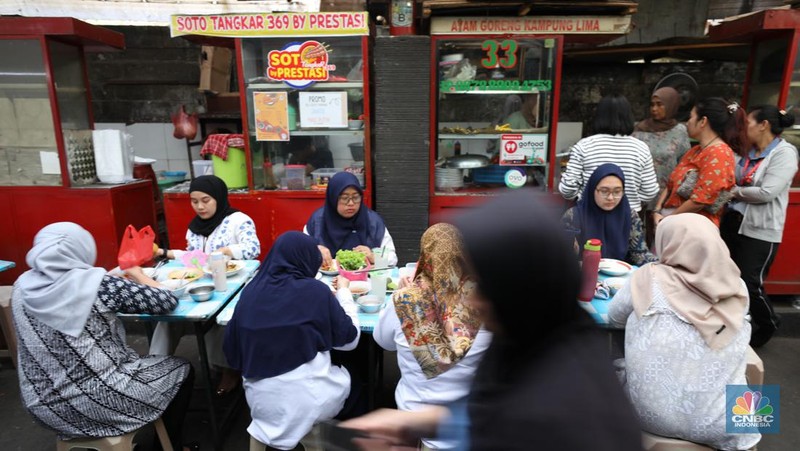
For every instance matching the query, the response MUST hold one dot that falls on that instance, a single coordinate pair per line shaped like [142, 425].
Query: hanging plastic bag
[136, 248]
[185, 124]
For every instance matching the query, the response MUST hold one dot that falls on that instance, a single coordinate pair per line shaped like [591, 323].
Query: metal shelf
[330, 132]
[315, 86]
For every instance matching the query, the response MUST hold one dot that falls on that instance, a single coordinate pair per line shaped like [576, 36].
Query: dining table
[5, 265]
[598, 306]
[367, 323]
[203, 315]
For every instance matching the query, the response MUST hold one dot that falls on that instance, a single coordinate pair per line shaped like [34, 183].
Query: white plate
[611, 267]
[230, 272]
[318, 276]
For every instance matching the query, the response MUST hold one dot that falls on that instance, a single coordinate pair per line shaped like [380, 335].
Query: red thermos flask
[589, 267]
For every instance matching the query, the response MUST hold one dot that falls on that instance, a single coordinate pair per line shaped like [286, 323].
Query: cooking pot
[467, 161]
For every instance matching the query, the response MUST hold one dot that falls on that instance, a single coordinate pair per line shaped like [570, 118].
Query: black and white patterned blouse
[94, 385]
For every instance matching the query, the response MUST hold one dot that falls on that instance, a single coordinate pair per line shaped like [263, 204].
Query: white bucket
[203, 167]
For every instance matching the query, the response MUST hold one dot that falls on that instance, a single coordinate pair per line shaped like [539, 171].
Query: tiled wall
[156, 141]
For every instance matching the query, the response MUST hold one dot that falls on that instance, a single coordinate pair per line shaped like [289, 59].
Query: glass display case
[494, 113]
[306, 110]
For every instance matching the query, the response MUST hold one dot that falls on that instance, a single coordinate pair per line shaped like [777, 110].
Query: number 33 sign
[507, 61]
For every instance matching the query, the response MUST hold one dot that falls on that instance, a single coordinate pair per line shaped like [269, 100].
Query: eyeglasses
[344, 200]
[605, 192]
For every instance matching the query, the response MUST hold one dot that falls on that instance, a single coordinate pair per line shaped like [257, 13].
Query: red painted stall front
[47, 163]
[305, 108]
[773, 78]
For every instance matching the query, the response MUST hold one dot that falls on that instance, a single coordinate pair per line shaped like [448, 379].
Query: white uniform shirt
[415, 390]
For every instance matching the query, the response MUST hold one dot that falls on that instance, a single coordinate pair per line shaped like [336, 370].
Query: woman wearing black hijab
[217, 228]
[546, 381]
[344, 222]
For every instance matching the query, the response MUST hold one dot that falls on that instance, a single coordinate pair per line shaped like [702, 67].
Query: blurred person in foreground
[685, 316]
[546, 381]
[433, 327]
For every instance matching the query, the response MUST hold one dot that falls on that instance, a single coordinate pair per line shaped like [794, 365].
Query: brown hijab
[697, 276]
[671, 100]
[438, 323]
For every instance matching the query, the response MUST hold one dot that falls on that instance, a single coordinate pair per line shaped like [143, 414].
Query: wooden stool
[652, 442]
[754, 373]
[118, 443]
[7, 325]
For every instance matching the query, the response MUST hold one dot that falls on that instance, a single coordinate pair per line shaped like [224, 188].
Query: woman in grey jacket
[753, 225]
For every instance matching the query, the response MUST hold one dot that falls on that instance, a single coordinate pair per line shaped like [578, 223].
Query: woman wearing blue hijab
[603, 212]
[344, 222]
[280, 337]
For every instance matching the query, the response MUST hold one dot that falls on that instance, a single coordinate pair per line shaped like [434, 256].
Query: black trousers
[754, 258]
[175, 413]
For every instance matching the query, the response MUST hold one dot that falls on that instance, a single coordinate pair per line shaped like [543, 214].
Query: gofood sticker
[523, 149]
[300, 64]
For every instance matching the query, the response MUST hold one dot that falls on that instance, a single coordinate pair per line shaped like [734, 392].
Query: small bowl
[201, 293]
[177, 287]
[360, 288]
[370, 303]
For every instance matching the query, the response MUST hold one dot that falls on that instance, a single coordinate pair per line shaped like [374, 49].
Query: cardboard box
[215, 69]
[223, 103]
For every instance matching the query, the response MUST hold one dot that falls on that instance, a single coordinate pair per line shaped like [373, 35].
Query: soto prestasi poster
[271, 25]
[300, 64]
[271, 111]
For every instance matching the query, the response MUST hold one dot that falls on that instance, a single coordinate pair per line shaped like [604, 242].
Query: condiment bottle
[457, 148]
[269, 176]
[218, 271]
[590, 265]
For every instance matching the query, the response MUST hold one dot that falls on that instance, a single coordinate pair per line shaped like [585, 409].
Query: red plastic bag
[185, 124]
[136, 248]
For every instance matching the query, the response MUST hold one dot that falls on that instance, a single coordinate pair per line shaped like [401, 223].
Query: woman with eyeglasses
[345, 223]
[604, 213]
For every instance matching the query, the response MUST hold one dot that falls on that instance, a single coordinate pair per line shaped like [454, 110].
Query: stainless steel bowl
[201, 293]
[467, 161]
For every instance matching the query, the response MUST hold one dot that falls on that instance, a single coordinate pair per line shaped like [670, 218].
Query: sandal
[229, 382]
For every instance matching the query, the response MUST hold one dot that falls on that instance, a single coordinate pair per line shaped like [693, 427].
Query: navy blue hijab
[613, 227]
[284, 316]
[335, 232]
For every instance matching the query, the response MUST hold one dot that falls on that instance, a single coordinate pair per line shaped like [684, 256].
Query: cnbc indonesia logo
[752, 412]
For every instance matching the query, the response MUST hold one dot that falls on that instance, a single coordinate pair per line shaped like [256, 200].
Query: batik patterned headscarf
[436, 319]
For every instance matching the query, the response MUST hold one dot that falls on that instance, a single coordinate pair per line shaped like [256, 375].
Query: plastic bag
[136, 247]
[185, 124]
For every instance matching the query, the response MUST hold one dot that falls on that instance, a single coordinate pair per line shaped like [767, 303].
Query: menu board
[271, 111]
[323, 109]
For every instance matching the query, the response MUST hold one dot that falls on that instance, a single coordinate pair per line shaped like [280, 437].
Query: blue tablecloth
[598, 308]
[189, 310]
[4, 265]
[367, 321]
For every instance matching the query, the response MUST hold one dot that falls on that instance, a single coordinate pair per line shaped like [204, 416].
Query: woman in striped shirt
[612, 143]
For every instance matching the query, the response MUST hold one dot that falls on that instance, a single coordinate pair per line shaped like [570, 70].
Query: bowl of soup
[370, 303]
[360, 288]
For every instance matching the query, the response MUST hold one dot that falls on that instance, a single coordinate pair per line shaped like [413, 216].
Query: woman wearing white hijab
[685, 316]
[76, 373]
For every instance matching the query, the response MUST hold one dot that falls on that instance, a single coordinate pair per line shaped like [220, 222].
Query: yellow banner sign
[272, 25]
[532, 25]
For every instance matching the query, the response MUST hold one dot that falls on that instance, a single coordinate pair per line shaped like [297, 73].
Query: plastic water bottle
[590, 265]
[218, 271]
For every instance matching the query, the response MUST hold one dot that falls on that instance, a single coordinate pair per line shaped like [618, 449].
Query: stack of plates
[449, 178]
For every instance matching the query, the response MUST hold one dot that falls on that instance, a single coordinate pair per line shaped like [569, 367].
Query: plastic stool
[652, 442]
[754, 373]
[117, 443]
[7, 324]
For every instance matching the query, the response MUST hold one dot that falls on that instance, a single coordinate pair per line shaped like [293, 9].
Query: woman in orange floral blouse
[718, 126]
